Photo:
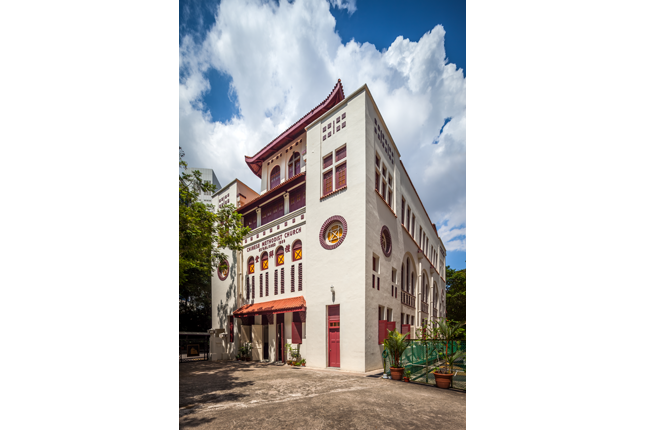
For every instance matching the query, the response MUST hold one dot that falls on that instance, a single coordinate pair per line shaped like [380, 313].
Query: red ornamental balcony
[407, 299]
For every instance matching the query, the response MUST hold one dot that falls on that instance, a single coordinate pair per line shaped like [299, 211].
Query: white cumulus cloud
[284, 58]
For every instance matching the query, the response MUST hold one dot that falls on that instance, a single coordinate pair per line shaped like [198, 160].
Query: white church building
[341, 246]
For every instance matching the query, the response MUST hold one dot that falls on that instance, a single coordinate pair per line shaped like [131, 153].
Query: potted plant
[303, 362]
[447, 332]
[396, 343]
[406, 378]
[245, 351]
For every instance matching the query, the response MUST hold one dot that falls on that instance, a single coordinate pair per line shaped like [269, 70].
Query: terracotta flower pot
[443, 379]
[406, 379]
[396, 372]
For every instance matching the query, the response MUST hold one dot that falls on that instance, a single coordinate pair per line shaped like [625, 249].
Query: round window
[222, 270]
[386, 241]
[333, 232]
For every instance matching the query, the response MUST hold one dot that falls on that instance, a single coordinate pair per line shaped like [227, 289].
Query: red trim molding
[326, 224]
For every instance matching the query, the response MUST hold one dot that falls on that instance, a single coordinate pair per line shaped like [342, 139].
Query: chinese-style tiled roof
[255, 163]
[292, 304]
[300, 177]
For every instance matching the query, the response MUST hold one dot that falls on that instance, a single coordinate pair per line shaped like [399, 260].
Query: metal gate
[194, 346]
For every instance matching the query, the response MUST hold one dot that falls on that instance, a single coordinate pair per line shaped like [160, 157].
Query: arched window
[412, 278]
[294, 164]
[279, 257]
[407, 275]
[265, 261]
[402, 276]
[297, 251]
[275, 177]
[251, 265]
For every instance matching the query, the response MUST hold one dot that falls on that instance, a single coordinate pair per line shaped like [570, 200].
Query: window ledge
[388, 206]
[344, 187]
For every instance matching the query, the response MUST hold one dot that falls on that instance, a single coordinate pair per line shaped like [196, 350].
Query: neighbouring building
[208, 175]
[341, 247]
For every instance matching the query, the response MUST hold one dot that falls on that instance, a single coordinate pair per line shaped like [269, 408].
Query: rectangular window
[341, 153]
[389, 197]
[272, 211]
[378, 162]
[293, 279]
[402, 211]
[275, 282]
[327, 182]
[297, 198]
[383, 188]
[377, 181]
[392, 290]
[413, 222]
[412, 320]
[373, 277]
[408, 218]
[341, 177]
[299, 276]
[327, 161]
[394, 275]
[374, 264]
[378, 283]
[253, 287]
[231, 324]
[389, 180]
[251, 220]
[261, 284]
[282, 280]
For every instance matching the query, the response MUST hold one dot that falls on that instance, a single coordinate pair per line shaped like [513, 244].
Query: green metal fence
[421, 359]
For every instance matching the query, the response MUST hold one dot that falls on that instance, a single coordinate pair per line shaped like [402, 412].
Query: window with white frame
[334, 171]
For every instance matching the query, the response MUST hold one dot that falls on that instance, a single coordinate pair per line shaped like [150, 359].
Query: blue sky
[249, 69]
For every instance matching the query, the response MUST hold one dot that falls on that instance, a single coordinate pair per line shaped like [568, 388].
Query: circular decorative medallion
[333, 232]
[386, 241]
[222, 270]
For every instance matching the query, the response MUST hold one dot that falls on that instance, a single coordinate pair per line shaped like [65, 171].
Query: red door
[333, 337]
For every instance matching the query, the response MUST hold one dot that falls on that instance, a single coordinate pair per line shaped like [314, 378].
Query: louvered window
[327, 161]
[299, 276]
[253, 287]
[293, 279]
[231, 325]
[327, 182]
[261, 284]
[341, 177]
[341, 153]
[297, 198]
[282, 280]
[296, 332]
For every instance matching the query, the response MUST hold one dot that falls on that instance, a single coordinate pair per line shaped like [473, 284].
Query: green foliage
[396, 343]
[203, 235]
[427, 337]
[245, 350]
[448, 332]
[456, 294]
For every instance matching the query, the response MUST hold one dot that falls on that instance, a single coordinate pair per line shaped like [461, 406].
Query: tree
[203, 235]
[456, 294]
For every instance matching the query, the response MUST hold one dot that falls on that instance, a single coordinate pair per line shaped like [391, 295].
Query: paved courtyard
[237, 395]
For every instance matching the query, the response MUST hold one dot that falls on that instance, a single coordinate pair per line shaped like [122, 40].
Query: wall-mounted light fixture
[332, 289]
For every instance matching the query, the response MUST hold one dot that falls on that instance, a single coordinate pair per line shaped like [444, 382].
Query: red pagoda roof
[255, 163]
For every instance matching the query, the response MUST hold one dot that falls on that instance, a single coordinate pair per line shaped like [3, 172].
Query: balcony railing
[407, 299]
[424, 307]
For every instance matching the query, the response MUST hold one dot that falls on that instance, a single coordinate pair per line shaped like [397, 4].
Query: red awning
[293, 304]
